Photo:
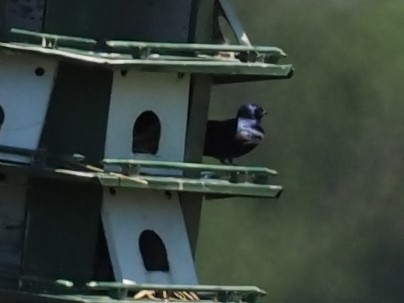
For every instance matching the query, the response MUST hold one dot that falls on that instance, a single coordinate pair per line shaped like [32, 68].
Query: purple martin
[235, 137]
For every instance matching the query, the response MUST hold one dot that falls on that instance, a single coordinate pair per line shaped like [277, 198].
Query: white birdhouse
[103, 82]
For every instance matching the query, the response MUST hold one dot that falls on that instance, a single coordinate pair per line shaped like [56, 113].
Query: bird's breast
[249, 132]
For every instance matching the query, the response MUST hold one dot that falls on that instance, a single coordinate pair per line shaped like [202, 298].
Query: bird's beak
[264, 113]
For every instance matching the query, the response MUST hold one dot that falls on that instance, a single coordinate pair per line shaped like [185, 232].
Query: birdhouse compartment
[26, 83]
[147, 237]
[147, 116]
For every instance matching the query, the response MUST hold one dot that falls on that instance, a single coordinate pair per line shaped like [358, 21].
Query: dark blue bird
[235, 137]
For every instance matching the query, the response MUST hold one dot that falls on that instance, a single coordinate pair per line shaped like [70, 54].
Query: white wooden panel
[126, 215]
[24, 97]
[163, 93]
[12, 214]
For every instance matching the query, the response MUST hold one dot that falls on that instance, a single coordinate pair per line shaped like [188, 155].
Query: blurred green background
[336, 135]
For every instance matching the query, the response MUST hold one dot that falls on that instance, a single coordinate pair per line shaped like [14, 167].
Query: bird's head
[251, 111]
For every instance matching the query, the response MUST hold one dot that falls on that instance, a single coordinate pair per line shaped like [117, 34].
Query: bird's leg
[227, 161]
[230, 162]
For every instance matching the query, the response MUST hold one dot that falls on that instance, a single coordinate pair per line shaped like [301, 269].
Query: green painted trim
[176, 287]
[154, 46]
[214, 66]
[195, 47]
[202, 186]
[190, 166]
[215, 292]
[54, 38]
[53, 283]
[30, 297]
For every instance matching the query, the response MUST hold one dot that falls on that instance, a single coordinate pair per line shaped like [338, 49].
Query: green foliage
[336, 135]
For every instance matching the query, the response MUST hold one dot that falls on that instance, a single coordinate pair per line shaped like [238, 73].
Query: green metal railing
[246, 63]
[37, 289]
[214, 181]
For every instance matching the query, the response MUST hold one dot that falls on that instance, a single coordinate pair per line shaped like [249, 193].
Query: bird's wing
[219, 135]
